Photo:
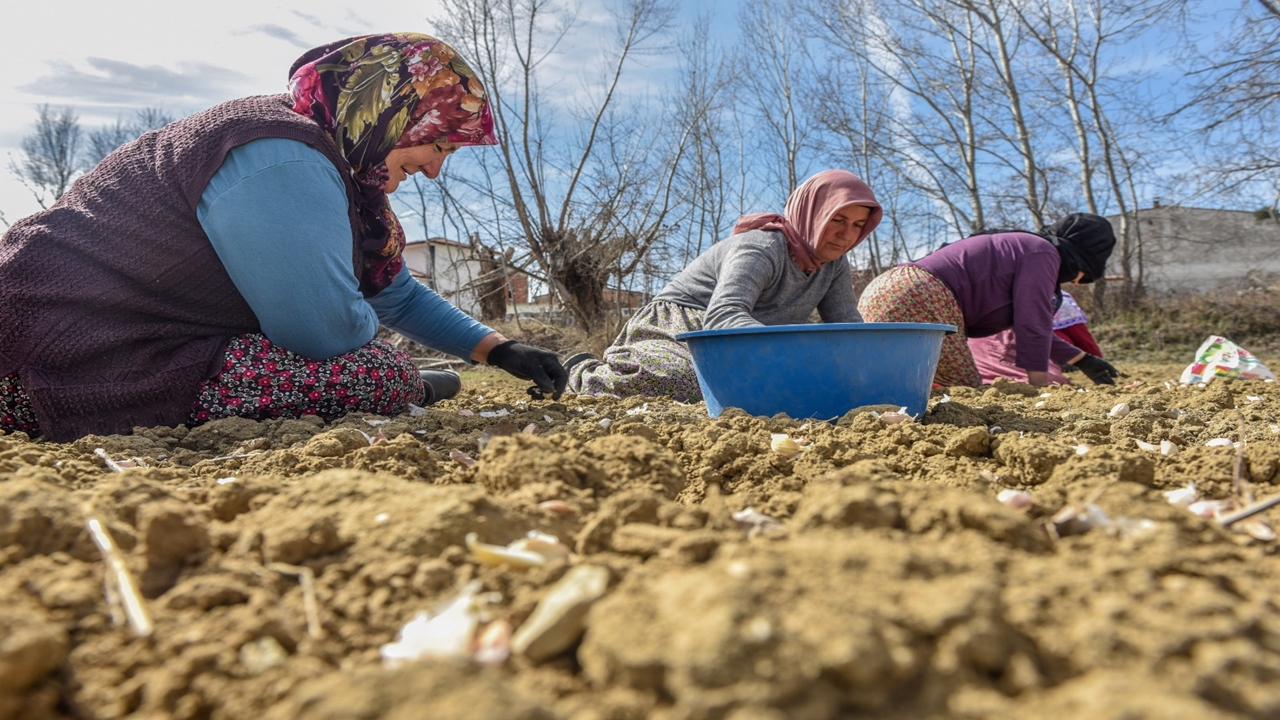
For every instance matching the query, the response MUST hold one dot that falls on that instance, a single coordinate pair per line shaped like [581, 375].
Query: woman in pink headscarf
[774, 270]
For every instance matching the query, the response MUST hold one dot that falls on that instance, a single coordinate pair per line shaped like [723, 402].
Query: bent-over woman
[995, 355]
[998, 281]
[774, 270]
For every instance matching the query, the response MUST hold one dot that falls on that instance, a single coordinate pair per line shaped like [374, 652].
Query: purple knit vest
[114, 306]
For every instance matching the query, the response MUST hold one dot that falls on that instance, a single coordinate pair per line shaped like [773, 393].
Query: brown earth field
[275, 559]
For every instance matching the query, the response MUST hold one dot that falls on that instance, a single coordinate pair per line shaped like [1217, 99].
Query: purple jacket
[1002, 281]
[113, 304]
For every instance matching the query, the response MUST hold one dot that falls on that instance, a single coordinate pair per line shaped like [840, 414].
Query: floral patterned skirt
[261, 380]
[907, 293]
[646, 359]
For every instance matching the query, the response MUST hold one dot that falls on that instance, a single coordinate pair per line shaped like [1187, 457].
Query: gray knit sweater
[749, 279]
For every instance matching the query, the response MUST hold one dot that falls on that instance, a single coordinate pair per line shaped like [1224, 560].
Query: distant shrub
[1171, 327]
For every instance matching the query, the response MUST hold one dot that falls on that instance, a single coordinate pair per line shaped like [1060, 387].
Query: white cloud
[108, 59]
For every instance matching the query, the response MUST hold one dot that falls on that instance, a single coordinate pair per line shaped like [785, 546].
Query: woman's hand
[1098, 370]
[525, 362]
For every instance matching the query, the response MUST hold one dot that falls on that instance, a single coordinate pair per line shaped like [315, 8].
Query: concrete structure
[451, 269]
[447, 267]
[1196, 249]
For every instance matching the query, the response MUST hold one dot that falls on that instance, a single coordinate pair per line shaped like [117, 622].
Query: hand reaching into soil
[531, 363]
[1098, 370]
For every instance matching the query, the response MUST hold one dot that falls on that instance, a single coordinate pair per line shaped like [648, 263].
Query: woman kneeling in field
[998, 281]
[774, 270]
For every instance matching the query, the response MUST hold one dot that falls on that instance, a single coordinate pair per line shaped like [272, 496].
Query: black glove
[1098, 370]
[531, 363]
[1068, 368]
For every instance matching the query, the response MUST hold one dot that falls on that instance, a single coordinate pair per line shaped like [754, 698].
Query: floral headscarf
[808, 211]
[375, 93]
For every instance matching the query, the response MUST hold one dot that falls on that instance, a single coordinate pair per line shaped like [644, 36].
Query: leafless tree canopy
[50, 155]
[632, 137]
[1237, 103]
[103, 141]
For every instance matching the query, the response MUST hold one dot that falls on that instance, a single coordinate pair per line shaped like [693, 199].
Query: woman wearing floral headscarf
[239, 262]
[774, 270]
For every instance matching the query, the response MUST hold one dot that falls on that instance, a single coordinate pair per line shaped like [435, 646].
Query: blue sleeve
[418, 313]
[276, 213]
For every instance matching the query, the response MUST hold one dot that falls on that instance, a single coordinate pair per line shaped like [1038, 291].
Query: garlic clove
[1016, 499]
[1182, 497]
[487, 554]
[784, 445]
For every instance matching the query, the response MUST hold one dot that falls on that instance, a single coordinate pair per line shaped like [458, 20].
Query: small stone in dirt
[259, 656]
[557, 621]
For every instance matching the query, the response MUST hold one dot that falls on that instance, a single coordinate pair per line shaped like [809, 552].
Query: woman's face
[842, 231]
[426, 159]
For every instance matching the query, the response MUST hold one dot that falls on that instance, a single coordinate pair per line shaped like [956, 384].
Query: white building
[447, 267]
[450, 268]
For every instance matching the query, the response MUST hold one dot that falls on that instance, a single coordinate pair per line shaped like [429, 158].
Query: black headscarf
[1084, 243]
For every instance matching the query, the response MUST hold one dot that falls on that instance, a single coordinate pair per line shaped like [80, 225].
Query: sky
[108, 59]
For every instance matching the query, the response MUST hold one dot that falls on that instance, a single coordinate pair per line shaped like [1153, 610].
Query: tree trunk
[491, 286]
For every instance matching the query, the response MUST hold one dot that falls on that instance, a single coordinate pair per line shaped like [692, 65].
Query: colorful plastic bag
[1218, 357]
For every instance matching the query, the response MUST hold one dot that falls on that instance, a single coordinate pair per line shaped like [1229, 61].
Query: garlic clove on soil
[1119, 411]
[534, 551]
[493, 643]
[1016, 499]
[1182, 497]
[446, 633]
[784, 445]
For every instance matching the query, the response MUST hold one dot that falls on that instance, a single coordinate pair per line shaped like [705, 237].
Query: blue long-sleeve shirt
[276, 213]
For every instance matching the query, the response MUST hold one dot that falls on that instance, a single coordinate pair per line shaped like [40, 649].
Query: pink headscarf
[808, 211]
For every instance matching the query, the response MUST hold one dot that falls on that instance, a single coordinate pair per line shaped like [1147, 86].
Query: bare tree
[925, 57]
[999, 44]
[104, 140]
[777, 60]
[1237, 102]
[1076, 36]
[585, 187]
[705, 174]
[51, 155]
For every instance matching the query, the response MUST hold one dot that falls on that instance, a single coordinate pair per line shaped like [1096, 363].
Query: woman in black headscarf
[995, 281]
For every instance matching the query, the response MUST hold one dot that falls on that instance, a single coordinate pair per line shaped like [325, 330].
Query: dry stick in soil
[121, 588]
[306, 578]
[1244, 493]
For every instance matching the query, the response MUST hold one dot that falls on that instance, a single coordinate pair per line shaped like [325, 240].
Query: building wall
[446, 268]
[1196, 249]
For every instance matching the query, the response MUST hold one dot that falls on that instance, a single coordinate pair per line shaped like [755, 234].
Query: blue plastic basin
[817, 370]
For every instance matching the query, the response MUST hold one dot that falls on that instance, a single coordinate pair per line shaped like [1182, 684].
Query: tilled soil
[895, 584]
